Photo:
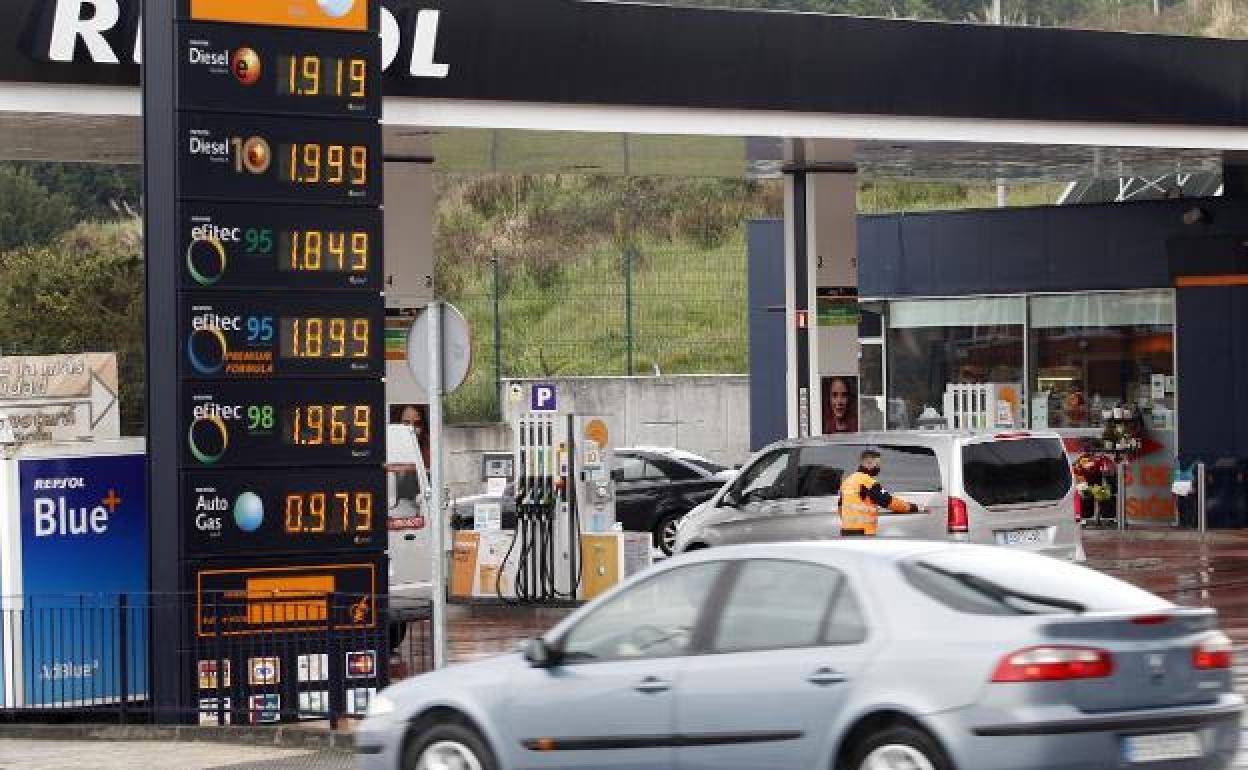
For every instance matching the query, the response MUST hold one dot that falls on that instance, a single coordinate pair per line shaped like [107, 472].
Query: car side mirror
[617, 475]
[539, 654]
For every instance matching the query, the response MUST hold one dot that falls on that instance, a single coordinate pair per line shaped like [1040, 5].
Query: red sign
[405, 522]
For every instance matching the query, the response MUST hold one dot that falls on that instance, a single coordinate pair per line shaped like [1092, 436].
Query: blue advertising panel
[84, 527]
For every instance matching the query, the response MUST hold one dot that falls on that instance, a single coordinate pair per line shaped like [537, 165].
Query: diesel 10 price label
[284, 511]
[282, 161]
[281, 247]
[279, 71]
[275, 424]
[258, 336]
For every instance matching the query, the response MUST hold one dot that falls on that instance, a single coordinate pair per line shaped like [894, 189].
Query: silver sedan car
[846, 655]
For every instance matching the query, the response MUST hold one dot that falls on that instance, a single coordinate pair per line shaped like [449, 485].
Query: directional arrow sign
[103, 399]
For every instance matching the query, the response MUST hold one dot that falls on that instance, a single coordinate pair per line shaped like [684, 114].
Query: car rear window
[989, 581]
[1015, 471]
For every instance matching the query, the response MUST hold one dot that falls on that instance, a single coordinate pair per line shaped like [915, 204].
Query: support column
[409, 260]
[821, 263]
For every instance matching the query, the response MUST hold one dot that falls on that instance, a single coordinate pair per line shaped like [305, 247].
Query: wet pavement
[1184, 567]
[127, 755]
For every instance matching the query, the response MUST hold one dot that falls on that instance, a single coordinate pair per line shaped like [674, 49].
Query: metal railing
[249, 660]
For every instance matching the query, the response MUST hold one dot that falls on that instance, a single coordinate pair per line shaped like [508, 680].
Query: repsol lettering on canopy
[108, 32]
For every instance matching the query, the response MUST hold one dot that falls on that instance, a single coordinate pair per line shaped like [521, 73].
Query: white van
[1013, 489]
[408, 527]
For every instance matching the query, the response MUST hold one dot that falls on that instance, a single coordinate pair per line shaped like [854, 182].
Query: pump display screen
[277, 71]
[242, 246]
[252, 336]
[284, 511]
[276, 423]
[283, 161]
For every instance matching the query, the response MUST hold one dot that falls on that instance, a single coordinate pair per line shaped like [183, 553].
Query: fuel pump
[563, 489]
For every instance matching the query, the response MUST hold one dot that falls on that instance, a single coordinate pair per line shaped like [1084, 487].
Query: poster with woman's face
[415, 416]
[840, 404]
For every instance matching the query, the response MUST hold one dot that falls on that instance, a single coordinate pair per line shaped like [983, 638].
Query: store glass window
[1094, 352]
[871, 382]
[940, 342]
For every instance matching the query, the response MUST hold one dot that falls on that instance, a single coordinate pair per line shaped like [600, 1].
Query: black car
[655, 487]
[659, 486]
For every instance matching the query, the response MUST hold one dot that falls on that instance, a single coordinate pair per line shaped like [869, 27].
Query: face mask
[872, 472]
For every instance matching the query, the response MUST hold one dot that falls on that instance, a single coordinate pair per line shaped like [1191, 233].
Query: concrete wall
[706, 414]
[464, 445]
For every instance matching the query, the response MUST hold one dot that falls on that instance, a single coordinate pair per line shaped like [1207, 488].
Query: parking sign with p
[542, 398]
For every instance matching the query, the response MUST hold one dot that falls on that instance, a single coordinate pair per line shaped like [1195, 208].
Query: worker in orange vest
[862, 496]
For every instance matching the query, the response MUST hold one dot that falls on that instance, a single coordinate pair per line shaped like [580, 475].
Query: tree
[29, 214]
[97, 191]
[82, 293]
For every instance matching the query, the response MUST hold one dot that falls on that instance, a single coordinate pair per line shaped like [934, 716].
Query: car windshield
[1016, 471]
[999, 582]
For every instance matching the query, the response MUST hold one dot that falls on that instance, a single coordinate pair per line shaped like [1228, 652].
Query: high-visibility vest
[858, 512]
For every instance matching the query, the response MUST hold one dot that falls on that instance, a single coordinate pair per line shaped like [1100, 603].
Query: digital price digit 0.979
[329, 513]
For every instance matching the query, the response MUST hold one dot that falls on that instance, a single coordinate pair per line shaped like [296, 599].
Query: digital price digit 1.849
[232, 246]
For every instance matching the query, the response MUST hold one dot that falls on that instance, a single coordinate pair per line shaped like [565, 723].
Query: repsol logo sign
[108, 32]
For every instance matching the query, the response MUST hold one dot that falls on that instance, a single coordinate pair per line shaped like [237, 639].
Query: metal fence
[637, 310]
[250, 660]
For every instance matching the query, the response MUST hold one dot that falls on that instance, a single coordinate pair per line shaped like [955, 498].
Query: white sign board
[59, 398]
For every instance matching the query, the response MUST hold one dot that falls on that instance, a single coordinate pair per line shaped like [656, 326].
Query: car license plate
[1019, 537]
[1164, 747]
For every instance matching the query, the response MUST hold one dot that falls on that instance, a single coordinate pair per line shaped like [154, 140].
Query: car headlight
[380, 706]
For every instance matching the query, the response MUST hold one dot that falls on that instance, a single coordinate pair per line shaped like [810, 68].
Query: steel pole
[437, 520]
[1202, 516]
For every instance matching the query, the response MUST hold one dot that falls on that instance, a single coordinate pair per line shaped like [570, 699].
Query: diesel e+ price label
[287, 247]
[283, 511]
[272, 424]
[277, 71]
[283, 161]
[254, 336]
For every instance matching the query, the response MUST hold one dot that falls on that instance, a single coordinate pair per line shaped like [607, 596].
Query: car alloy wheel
[448, 755]
[668, 529]
[897, 756]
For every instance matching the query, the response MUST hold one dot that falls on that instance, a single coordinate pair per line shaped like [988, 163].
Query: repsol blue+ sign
[83, 546]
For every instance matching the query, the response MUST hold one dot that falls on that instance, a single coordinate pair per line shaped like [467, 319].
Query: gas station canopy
[600, 87]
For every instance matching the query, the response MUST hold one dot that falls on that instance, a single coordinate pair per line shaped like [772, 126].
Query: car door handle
[409, 537]
[825, 676]
[652, 685]
[802, 508]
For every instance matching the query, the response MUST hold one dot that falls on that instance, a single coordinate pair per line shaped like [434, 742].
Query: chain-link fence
[640, 309]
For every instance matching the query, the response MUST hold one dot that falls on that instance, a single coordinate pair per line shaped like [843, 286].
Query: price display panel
[226, 67]
[244, 599]
[258, 335]
[270, 159]
[231, 246]
[348, 15]
[307, 423]
[284, 511]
